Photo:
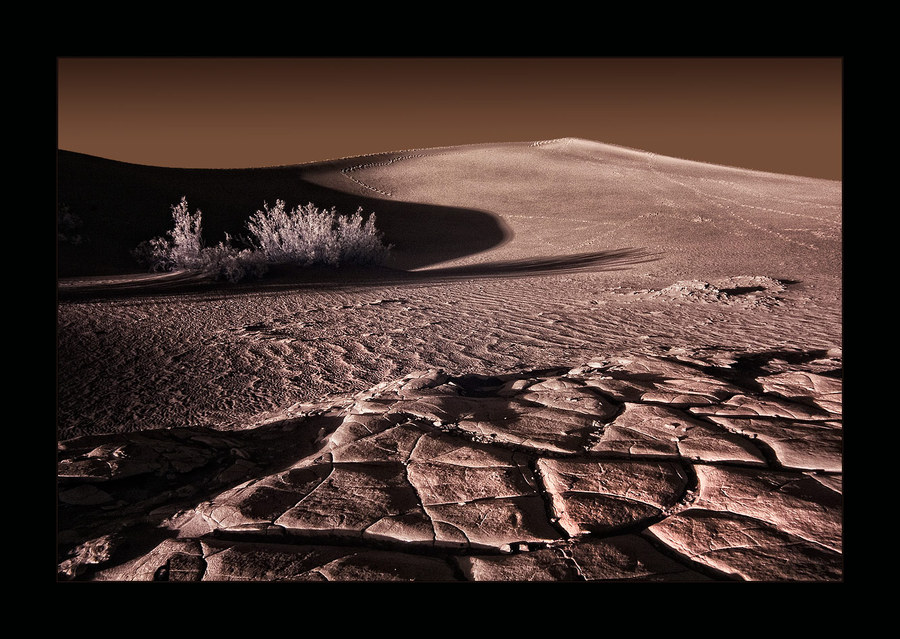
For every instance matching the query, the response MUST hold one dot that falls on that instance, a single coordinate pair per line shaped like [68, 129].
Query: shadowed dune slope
[120, 205]
[488, 206]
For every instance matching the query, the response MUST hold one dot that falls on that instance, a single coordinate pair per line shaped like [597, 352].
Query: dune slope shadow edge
[114, 206]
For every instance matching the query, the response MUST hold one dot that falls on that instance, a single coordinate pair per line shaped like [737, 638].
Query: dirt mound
[745, 290]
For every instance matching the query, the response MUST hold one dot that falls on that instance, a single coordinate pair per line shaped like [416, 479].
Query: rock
[745, 548]
[689, 392]
[442, 483]
[350, 499]
[424, 384]
[643, 429]
[542, 429]
[628, 558]
[383, 442]
[88, 554]
[283, 562]
[540, 565]
[824, 392]
[747, 406]
[589, 496]
[578, 400]
[621, 390]
[803, 445]
[794, 503]
[637, 367]
[495, 523]
[256, 505]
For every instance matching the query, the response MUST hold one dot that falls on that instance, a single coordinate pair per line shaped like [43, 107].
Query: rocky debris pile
[746, 291]
[631, 468]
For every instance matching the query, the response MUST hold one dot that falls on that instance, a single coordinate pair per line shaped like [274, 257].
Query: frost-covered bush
[304, 236]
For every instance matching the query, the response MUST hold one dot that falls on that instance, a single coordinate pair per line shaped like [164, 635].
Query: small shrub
[360, 241]
[304, 236]
[181, 250]
[226, 262]
[308, 235]
[187, 241]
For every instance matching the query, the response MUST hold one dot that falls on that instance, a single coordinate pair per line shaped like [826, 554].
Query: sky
[783, 115]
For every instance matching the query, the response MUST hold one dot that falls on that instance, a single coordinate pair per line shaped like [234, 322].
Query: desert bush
[304, 236]
[181, 250]
[224, 261]
[309, 235]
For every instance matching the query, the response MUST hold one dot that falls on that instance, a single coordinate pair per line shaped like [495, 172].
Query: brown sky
[772, 114]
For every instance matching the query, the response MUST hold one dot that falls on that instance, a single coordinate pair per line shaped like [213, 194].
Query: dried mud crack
[630, 468]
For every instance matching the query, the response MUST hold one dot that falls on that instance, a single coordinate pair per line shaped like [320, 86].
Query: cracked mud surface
[630, 468]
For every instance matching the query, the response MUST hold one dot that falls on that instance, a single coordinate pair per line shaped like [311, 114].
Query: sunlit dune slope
[572, 197]
[485, 205]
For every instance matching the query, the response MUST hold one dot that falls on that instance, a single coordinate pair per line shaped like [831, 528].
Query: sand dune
[551, 310]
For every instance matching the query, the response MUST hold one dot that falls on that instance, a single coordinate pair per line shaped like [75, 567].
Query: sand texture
[582, 363]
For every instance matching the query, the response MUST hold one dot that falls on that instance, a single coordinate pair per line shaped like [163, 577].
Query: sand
[583, 362]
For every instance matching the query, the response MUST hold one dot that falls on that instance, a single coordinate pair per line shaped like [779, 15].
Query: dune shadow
[286, 278]
[120, 205]
[610, 260]
[112, 207]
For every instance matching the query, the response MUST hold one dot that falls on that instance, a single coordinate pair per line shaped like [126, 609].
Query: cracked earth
[631, 468]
